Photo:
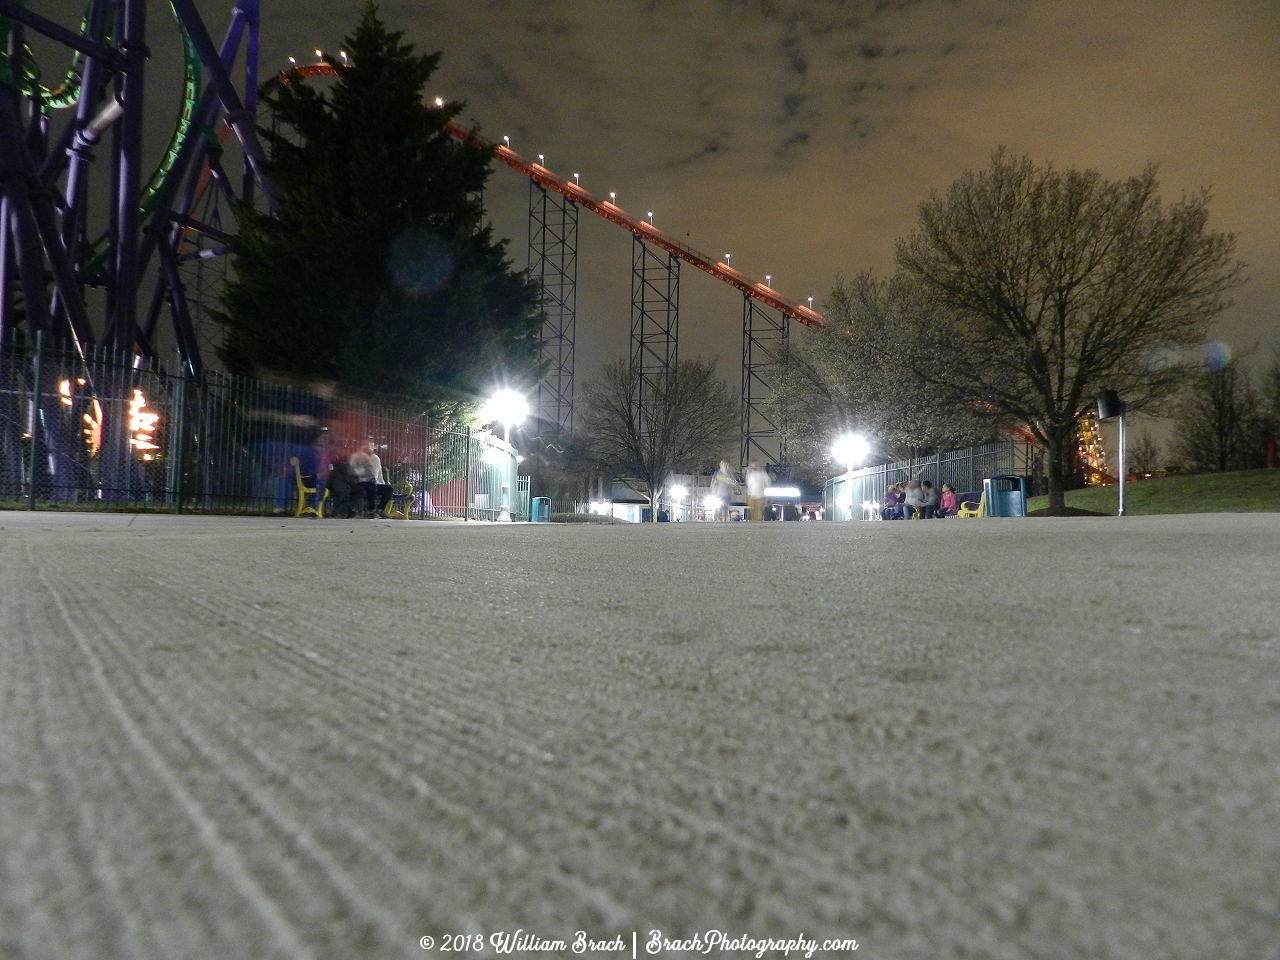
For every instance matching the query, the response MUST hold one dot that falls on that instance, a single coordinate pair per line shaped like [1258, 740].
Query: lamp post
[678, 493]
[509, 408]
[850, 449]
[712, 503]
[1111, 407]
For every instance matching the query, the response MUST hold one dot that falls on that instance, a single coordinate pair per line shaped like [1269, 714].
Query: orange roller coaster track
[615, 214]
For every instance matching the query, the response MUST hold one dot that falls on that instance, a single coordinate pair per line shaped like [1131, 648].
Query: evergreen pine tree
[377, 271]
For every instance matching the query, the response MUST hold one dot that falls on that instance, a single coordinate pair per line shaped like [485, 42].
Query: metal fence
[859, 493]
[118, 432]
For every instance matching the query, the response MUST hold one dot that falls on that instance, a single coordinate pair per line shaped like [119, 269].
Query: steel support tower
[655, 319]
[553, 260]
[764, 335]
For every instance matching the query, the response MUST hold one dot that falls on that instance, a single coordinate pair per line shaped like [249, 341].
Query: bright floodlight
[506, 407]
[712, 502]
[678, 493]
[851, 449]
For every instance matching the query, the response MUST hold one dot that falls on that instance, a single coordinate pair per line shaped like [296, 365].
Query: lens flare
[419, 262]
[1217, 355]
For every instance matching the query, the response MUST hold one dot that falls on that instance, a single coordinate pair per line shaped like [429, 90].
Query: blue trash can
[541, 510]
[1006, 496]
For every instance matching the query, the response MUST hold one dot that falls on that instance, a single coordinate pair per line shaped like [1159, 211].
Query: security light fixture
[851, 449]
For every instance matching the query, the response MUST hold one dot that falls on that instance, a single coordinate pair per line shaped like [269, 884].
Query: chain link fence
[115, 431]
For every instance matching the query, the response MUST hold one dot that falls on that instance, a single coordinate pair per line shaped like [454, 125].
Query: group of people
[357, 485]
[756, 480]
[903, 501]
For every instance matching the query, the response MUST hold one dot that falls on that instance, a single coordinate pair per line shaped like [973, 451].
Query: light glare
[851, 449]
[507, 406]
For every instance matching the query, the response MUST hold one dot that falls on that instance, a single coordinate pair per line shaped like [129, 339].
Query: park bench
[400, 504]
[305, 492]
[971, 504]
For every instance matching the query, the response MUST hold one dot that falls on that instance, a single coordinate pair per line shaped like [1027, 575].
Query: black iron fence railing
[859, 493]
[118, 432]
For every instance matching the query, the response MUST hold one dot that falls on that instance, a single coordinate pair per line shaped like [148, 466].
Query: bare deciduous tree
[689, 420]
[1050, 286]
[854, 374]
[1221, 424]
[1144, 455]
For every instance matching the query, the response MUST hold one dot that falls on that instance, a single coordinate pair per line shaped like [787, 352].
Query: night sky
[802, 136]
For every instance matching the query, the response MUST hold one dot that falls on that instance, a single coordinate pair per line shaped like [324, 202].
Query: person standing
[757, 482]
[721, 484]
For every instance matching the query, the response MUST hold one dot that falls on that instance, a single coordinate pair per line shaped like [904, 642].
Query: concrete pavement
[999, 738]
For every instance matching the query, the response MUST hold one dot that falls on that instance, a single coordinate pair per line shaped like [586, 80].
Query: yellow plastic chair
[304, 505]
[400, 504]
[979, 511]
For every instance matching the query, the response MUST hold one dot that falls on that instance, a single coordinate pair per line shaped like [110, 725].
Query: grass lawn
[1247, 491]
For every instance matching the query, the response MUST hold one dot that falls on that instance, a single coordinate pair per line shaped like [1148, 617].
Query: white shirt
[366, 466]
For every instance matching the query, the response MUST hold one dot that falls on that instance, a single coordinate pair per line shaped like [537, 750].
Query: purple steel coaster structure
[48, 261]
[44, 230]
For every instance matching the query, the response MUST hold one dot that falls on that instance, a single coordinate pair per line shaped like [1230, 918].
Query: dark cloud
[802, 134]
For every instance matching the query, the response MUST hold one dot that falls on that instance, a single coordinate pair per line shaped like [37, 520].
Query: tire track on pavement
[464, 753]
[225, 857]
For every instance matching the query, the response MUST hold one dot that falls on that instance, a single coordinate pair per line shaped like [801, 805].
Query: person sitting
[928, 500]
[947, 505]
[367, 468]
[892, 499]
[912, 501]
[346, 496]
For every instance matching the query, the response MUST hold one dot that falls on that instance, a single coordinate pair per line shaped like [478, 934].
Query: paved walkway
[253, 738]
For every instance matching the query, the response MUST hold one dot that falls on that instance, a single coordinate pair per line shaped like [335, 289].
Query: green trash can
[541, 510]
[1006, 496]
